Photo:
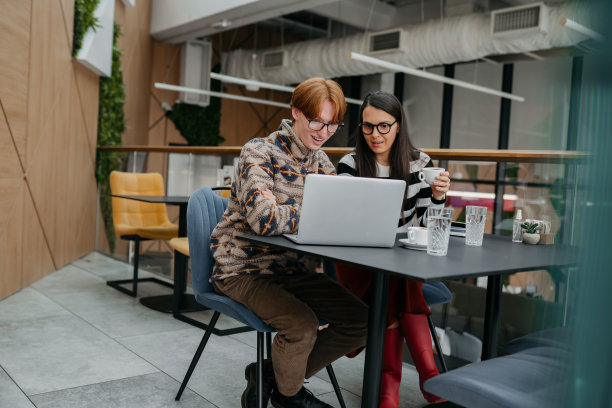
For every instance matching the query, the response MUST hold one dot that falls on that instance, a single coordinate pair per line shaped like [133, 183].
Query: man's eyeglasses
[383, 127]
[331, 127]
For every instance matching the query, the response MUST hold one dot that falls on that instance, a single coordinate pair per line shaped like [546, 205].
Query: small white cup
[417, 236]
[429, 174]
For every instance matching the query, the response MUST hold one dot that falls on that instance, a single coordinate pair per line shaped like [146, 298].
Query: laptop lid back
[352, 211]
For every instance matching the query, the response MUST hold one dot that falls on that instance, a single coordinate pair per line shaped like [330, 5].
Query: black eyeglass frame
[324, 125]
[377, 127]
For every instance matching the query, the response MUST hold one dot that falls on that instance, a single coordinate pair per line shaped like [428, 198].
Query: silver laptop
[351, 211]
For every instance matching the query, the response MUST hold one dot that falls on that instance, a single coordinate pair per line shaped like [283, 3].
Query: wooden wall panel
[15, 29]
[11, 249]
[36, 257]
[136, 44]
[50, 66]
[11, 204]
[88, 85]
[48, 131]
[256, 120]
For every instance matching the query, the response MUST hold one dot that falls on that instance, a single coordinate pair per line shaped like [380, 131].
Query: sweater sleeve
[263, 216]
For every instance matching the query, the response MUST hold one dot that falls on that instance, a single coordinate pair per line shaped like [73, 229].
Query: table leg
[491, 323]
[178, 302]
[377, 322]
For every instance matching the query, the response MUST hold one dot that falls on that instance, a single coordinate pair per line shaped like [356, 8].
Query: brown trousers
[292, 304]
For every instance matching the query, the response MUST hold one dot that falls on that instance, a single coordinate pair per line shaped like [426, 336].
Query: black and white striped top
[419, 195]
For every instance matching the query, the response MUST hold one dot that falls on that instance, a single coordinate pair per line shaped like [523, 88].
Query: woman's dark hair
[402, 150]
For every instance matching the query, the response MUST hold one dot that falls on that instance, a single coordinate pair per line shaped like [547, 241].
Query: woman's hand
[441, 186]
[268, 195]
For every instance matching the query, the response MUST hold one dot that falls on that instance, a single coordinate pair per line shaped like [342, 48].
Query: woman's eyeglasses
[382, 127]
[331, 127]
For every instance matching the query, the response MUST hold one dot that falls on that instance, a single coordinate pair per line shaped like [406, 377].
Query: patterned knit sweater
[279, 162]
[419, 195]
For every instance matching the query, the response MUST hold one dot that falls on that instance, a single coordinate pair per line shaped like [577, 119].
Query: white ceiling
[176, 22]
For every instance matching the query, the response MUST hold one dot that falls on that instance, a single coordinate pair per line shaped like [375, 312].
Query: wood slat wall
[48, 133]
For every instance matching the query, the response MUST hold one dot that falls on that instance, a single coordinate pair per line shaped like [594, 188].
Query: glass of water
[475, 218]
[438, 233]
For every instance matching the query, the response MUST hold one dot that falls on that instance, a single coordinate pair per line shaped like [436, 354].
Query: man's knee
[300, 328]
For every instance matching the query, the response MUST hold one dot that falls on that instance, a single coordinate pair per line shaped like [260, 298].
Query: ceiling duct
[519, 20]
[447, 41]
[275, 59]
[386, 41]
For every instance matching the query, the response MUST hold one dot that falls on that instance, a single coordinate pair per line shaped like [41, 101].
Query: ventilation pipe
[451, 40]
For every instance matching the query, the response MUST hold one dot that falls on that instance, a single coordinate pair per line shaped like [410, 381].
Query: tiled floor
[69, 340]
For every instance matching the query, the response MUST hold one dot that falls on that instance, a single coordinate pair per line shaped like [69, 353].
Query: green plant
[111, 125]
[197, 124]
[84, 19]
[530, 227]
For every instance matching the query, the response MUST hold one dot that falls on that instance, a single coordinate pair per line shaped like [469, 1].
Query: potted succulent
[531, 232]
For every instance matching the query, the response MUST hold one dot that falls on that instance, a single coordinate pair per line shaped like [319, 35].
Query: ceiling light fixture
[427, 75]
[177, 88]
[572, 25]
[221, 24]
[258, 84]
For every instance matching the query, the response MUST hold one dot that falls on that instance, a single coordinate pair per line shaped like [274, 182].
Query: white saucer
[410, 245]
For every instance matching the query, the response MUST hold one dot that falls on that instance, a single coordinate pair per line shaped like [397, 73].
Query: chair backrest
[137, 213]
[204, 212]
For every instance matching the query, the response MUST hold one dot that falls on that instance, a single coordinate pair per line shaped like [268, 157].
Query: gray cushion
[526, 379]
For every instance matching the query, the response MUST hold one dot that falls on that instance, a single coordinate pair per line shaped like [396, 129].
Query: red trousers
[405, 295]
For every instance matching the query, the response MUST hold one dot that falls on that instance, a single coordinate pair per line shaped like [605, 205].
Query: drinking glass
[475, 218]
[442, 211]
[438, 233]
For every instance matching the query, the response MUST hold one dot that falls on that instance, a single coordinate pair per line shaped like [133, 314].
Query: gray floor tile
[53, 353]
[219, 376]
[68, 280]
[25, 305]
[116, 314]
[10, 394]
[150, 391]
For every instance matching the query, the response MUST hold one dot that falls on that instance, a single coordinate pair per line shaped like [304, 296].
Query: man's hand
[268, 195]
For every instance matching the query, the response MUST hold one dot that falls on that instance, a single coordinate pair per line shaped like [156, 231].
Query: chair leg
[334, 381]
[269, 344]
[260, 359]
[434, 336]
[134, 281]
[197, 354]
[136, 259]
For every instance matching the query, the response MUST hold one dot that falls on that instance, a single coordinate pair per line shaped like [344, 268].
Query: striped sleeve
[346, 165]
[419, 197]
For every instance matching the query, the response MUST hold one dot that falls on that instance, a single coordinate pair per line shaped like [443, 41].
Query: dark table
[496, 257]
[179, 302]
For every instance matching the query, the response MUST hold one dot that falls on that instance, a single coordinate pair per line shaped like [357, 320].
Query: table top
[497, 255]
[155, 199]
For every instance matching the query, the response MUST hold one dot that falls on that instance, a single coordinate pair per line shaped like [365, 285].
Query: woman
[383, 149]
[266, 199]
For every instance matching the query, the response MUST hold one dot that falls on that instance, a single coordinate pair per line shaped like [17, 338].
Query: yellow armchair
[139, 221]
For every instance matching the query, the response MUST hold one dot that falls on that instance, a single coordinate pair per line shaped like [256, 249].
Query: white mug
[417, 235]
[429, 174]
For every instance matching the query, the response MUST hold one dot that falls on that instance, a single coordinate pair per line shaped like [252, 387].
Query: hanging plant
[84, 19]
[111, 125]
[197, 124]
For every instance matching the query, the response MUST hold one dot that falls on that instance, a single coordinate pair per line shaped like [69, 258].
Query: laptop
[349, 211]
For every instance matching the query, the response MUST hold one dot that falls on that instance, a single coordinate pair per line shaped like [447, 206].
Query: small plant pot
[531, 238]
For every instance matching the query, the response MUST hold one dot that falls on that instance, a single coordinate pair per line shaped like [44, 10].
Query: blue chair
[204, 211]
[531, 378]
